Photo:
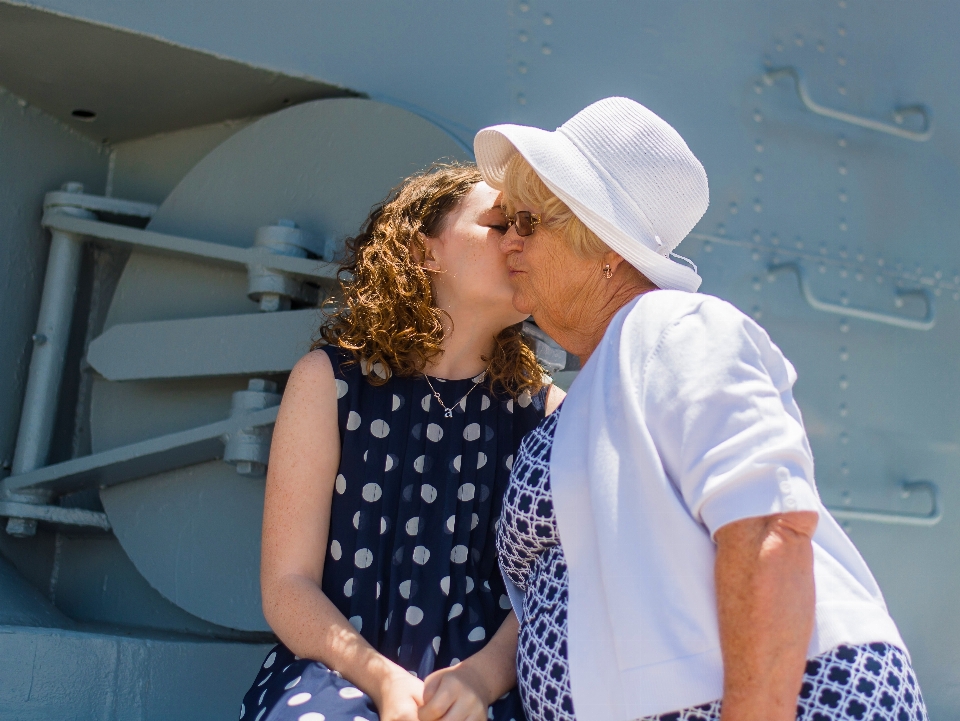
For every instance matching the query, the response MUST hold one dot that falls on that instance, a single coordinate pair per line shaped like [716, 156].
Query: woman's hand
[399, 697]
[458, 693]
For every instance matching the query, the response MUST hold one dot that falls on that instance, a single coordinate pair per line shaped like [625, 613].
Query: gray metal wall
[864, 213]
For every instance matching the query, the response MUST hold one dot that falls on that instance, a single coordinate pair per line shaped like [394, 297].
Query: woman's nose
[510, 242]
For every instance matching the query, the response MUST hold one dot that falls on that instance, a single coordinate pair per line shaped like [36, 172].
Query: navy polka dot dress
[411, 557]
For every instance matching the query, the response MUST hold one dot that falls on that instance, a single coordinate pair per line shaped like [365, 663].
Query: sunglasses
[524, 221]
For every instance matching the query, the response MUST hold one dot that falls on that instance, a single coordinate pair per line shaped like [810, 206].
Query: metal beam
[126, 463]
[252, 344]
[218, 253]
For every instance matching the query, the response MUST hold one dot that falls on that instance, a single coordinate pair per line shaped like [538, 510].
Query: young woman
[391, 452]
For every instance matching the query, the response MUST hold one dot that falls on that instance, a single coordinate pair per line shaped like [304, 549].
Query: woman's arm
[463, 692]
[765, 604]
[304, 458]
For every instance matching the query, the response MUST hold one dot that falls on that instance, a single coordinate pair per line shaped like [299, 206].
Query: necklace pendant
[448, 413]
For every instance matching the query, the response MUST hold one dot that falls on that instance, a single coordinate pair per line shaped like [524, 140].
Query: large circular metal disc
[194, 533]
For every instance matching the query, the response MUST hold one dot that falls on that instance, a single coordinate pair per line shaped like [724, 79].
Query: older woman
[664, 523]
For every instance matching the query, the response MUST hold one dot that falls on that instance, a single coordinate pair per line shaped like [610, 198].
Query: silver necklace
[448, 412]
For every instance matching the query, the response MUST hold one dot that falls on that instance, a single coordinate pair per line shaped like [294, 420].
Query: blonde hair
[521, 184]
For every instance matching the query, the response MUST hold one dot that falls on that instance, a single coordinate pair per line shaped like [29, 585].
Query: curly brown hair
[385, 313]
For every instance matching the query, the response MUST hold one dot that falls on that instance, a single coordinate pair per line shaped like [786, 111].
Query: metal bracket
[898, 114]
[893, 517]
[926, 323]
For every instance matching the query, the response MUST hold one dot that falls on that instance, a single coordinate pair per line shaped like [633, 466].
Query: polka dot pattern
[411, 551]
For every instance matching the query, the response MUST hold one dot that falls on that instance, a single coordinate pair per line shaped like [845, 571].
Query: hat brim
[581, 186]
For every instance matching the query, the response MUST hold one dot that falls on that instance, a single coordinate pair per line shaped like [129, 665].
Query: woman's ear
[613, 259]
[431, 254]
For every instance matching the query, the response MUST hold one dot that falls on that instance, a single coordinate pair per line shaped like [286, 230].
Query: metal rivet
[842, 169]
[757, 116]
[734, 209]
[524, 7]
[774, 239]
[546, 49]
[844, 298]
[843, 224]
[521, 98]
[778, 47]
[858, 276]
[841, 31]
[844, 354]
[757, 285]
[821, 47]
[758, 146]
[707, 246]
[798, 41]
[757, 312]
[843, 410]
[845, 470]
[822, 268]
[757, 206]
[844, 438]
[522, 36]
[758, 175]
[755, 255]
[842, 197]
[844, 326]
[522, 68]
[758, 88]
[842, 89]
[842, 141]
[841, 60]
[799, 244]
[547, 19]
[721, 229]
[844, 272]
[757, 238]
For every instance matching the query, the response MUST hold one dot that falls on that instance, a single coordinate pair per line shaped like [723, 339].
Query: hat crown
[647, 164]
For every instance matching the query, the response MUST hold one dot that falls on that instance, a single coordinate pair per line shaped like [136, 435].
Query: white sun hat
[624, 171]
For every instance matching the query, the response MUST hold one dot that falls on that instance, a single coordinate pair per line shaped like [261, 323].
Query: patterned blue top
[411, 559]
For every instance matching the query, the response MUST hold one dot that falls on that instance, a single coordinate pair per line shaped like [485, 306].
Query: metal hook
[893, 517]
[898, 115]
[926, 323]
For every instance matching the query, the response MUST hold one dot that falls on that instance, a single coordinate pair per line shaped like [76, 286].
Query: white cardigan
[682, 421]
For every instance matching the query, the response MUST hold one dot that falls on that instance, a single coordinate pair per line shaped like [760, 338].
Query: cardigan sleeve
[716, 396]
